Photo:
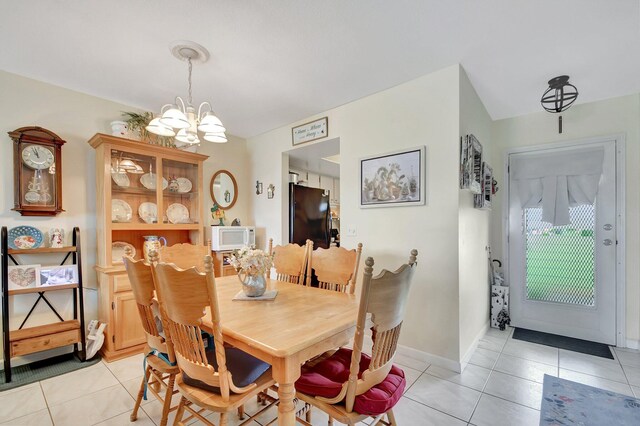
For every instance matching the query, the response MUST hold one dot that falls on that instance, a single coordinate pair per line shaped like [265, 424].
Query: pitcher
[152, 243]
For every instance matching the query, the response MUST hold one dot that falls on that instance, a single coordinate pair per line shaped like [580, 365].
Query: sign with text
[311, 131]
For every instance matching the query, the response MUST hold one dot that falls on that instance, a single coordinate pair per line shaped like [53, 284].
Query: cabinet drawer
[43, 343]
[121, 283]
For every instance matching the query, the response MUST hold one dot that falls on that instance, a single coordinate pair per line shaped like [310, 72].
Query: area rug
[45, 369]
[569, 403]
[563, 342]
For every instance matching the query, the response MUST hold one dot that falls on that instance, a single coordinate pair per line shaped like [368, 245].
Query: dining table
[301, 323]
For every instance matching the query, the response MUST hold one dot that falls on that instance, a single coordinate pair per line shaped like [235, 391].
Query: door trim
[619, 140]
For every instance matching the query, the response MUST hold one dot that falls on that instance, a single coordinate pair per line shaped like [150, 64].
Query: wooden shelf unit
[24, 341]
[221, 265]
[116, 305]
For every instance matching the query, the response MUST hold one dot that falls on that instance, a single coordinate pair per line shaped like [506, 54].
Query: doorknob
[607, 242]
[607, 227]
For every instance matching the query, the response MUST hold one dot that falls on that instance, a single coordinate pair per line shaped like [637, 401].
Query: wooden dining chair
[185, 255]
[291, 261]
[336, 268]
[161, 369]
[217, 378]
[374, 384]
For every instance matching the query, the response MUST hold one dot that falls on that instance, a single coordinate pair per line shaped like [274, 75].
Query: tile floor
[502, 385]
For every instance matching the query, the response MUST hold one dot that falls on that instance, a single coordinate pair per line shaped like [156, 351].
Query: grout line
[438, 410]
[45, 401]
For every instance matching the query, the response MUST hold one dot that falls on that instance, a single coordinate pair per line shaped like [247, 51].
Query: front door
[563, 278]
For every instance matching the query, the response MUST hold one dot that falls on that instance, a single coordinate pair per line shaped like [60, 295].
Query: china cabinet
[142, 190]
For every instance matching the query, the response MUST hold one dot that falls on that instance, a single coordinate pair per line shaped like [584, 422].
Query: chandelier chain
[190, 69]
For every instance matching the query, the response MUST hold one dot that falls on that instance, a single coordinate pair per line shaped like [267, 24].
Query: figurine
[56, 238]
[217, 213]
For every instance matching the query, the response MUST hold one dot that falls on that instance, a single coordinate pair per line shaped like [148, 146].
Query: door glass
[561, 259]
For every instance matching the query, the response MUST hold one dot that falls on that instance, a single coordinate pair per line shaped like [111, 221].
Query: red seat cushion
[326, 378]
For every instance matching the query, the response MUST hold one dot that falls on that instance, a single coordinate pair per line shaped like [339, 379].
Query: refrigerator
[309, 216]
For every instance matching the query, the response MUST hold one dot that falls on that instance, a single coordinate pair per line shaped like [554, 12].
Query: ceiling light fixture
[559, 96]
[180, 120]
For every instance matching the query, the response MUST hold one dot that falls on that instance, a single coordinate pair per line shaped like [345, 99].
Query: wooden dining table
[299, 324]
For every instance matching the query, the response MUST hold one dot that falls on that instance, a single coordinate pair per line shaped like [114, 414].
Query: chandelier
[559, 96]
[182, 121]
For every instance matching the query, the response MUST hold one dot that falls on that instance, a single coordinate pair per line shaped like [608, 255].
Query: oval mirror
[224, 189]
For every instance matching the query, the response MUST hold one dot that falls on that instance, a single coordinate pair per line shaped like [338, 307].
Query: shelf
[156, 226]
[43, 330]
[149, 192]
[42, 250]
[41, 289]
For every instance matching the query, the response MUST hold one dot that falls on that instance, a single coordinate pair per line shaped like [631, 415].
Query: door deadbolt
[608, 227]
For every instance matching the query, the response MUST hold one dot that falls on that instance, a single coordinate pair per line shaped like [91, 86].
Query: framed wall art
[58, 275]
[23, 276]
[471, 164]
[394, 179]
[311, 131]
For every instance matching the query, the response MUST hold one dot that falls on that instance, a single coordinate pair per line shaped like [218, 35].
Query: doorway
[314, 193]
[565, 274]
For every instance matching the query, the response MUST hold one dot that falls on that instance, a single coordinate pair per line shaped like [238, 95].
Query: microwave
[224, 238]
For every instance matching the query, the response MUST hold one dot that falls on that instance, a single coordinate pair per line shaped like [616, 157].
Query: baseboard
[420, 360]
[633, 344]
[472, 349]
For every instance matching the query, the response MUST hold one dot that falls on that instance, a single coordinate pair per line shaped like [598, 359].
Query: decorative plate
[25, 237]
[121, 179]
[178, 213]
[184, 185]
[148, 180]
[148, 212]
[120, 211]
[118, 250]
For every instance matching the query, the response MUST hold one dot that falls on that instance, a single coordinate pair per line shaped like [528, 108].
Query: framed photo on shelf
[394, 179]
[23, 276]
[58, 275]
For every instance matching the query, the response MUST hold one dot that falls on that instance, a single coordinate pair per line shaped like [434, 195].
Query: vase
[253, 285]
[151, 243]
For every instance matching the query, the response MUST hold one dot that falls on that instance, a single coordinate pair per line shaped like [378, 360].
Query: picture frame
[471, 176]
[58, 275]
[21, 277]
[394, 179]
[311, 131]
[484, 199]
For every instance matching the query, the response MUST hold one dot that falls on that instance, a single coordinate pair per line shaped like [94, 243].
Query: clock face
[37, 157]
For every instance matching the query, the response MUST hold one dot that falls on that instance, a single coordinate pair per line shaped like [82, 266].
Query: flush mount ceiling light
[559, 96]
[180, 120]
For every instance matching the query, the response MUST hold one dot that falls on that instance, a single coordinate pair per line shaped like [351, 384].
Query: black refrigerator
[309, 216]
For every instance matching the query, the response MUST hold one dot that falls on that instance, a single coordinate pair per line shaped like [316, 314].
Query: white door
[563, 278]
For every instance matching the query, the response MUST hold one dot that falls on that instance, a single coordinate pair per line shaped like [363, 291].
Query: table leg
[286, 372]
[286, 408]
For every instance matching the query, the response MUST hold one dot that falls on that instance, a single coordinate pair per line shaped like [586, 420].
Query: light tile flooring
[502, 385]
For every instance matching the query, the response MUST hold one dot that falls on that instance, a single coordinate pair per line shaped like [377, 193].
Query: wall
[473, 229]
[420, 112]
[608, 117]
[75, 117]
[233, 157]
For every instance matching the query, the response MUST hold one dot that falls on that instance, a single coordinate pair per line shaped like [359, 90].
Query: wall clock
[37, 170]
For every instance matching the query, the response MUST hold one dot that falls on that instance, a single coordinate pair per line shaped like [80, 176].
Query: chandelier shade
[560, 95]
[180, 120]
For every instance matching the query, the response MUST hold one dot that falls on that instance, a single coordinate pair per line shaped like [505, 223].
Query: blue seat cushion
[244, 368]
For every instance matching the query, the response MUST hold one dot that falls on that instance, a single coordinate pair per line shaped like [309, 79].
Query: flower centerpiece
[252, 265]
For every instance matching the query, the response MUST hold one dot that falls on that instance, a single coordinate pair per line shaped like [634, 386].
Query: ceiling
[279, 61]
[312, 158]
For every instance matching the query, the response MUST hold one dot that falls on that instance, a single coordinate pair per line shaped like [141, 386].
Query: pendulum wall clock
[37, 170]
